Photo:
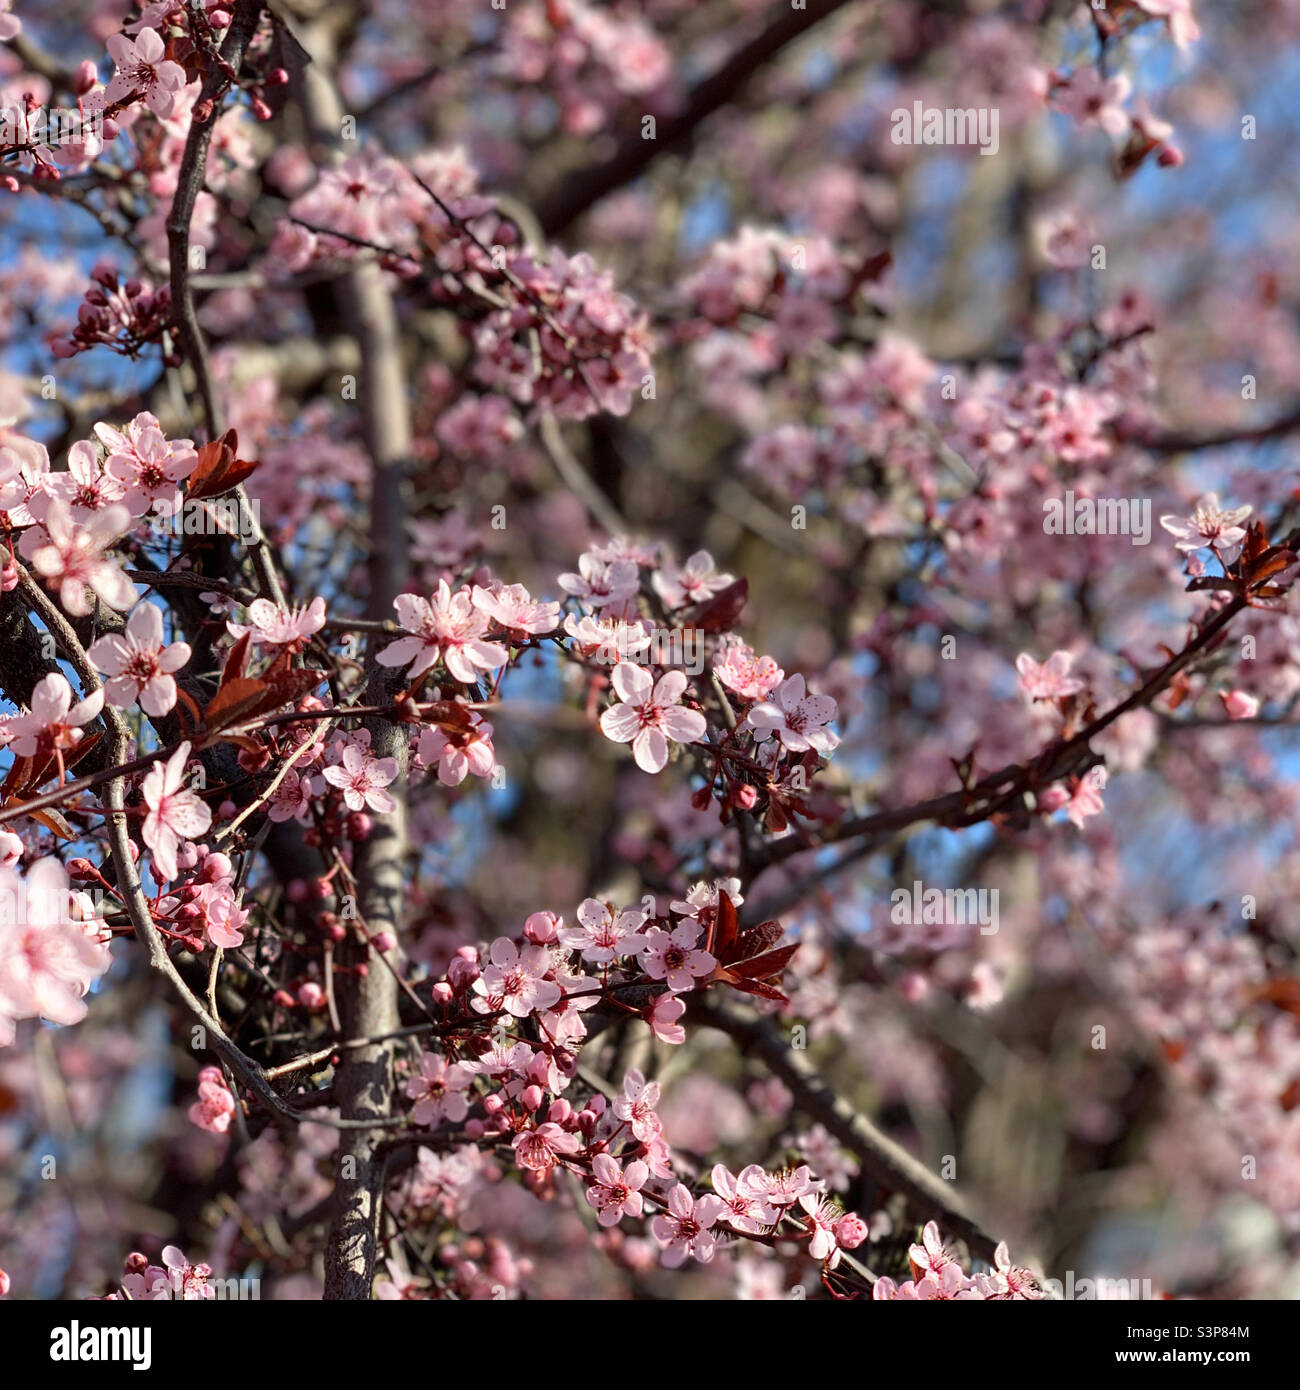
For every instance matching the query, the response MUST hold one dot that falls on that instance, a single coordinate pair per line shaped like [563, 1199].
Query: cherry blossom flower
[85, 487]
[1183, 28]
[798, 719]
[514, 609]
[75, 557]
[215, 1106]
[54, 723]
[778, 1190]
[616, 1192]
[1080, 802]
[292, 799]
[663, 1015]
[457, 755]
[672, 957]
[930, 1256]
[692, 582]
[637, 1104]
[362, 778]
[1208, 526]
[650, 714]
[175, 812]
[518, 979]
[438, 1091]
[138, 663]
[539, 1149]
[1051, 680]
[742, 1212]
[602, 583]
[448, 628]
[820, 1216]
[603, 936]
[281, 629]
[48, 957]
[142, 70]
[685, 1229]
[148, 465]
[749, 676]
[1094, 100]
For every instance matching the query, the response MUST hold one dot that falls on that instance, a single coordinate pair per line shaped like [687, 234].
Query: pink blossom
[175, 812]
[362, 778]
[749, 676]
[514, 609]
[685, 1230]
[457, 755]
[85, 487]
[1080, 803]
[1094, 100]
[672, 957]
[663, 1015]
[650, 715]
[54, 723]
[138, 663]
[616, 1192]
[820, 1216]
[292, 799]
[1208, 526]
[75, 557]
[447, 627]
[517, 979]
[281, 629]
[692, 582]
[49, 957]
[741, 1211]
[602, 583]
[142, 70]
[602, 936]
[438, 1091]
[636, 1106]
[215, 1106]
[148, 465]
[539, 1149]
[798, 719]
[1051, 680]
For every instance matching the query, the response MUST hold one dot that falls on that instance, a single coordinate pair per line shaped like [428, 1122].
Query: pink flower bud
[1237, 704]
[493, 1103]
[443, 994]
[541, 929]
[311, 996]
[850, 1231]
[560, 1112]
[86, 77]
[358, 826]
[532, 1097]
[384, 941]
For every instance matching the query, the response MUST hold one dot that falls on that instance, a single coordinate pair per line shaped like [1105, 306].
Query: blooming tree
[587, 663]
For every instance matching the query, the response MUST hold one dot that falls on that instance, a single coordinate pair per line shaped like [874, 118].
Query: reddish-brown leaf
[218, 468]
[236, 659]
[236, 700]
[755, 940]
[52, 820]
[725, 927]
[765, 966]
[723, 610]
[755, 987]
